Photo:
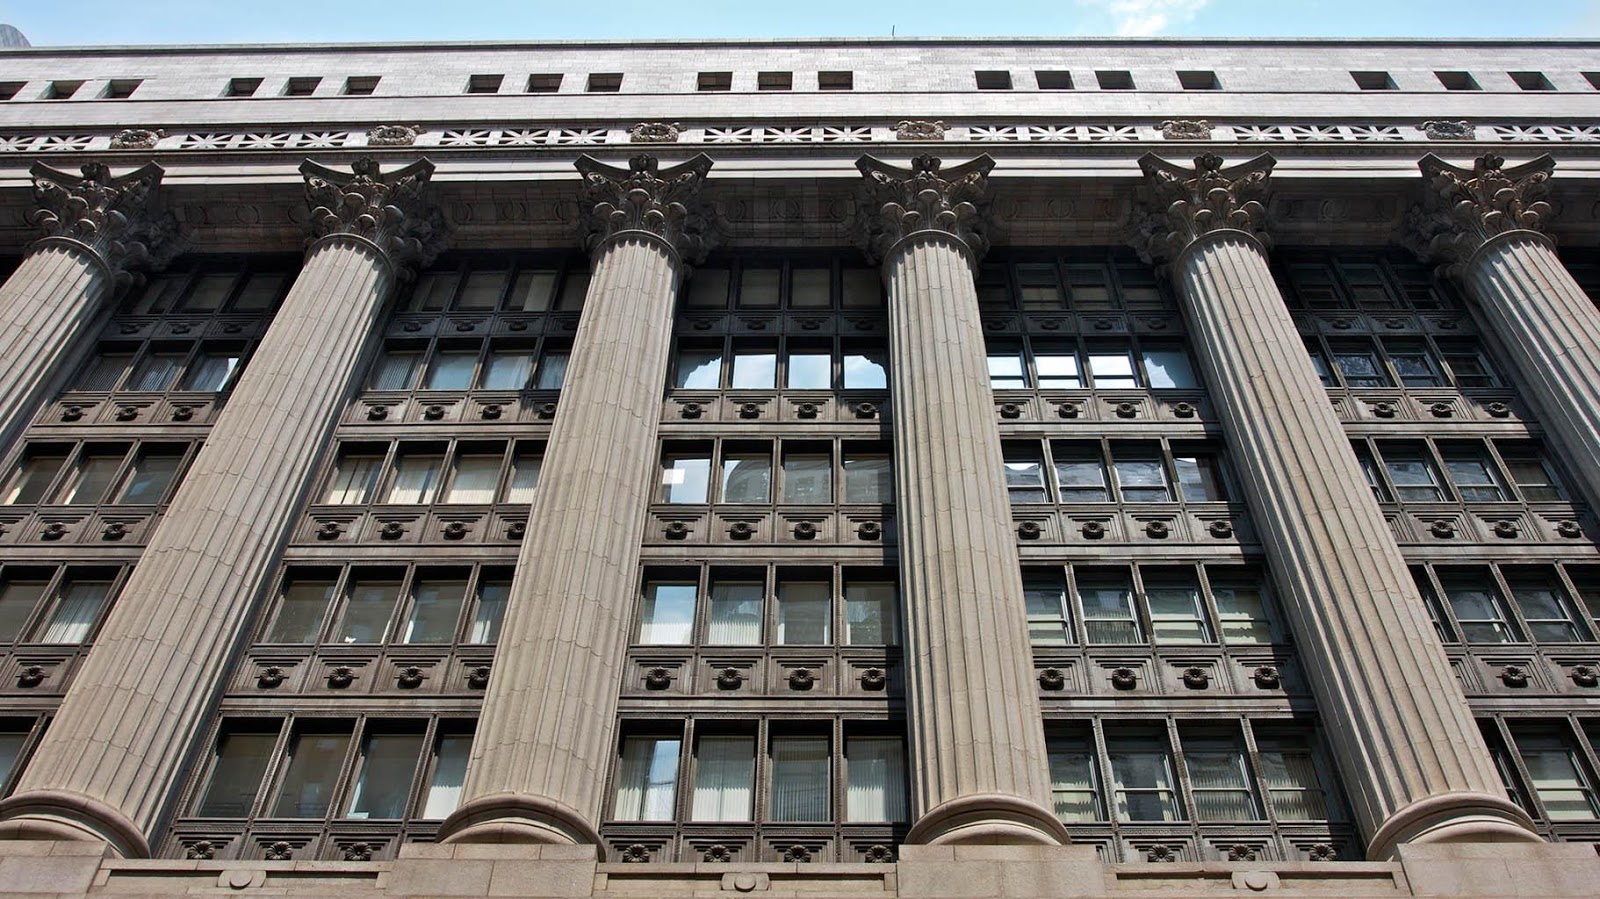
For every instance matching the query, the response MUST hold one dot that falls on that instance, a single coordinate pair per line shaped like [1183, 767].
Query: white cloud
[1141, 18]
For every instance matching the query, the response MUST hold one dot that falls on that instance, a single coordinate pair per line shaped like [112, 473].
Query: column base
[60, 815]
[994, 819]
[519, 818]
[1453, 818]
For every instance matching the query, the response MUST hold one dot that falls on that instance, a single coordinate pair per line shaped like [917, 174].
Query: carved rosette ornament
[1463, 208]
[900, 202]
[919, 129]
[1183, 205]
[646, 198]
[394, 135]
[655, 133]
[112, 217]
[389, 210]
[1448, 130]
[1186, 129]
[136, 138]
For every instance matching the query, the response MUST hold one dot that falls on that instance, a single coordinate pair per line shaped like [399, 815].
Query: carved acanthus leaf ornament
[391, 210]
[1463, 208]
[112, 216]
[1184, 204]
[645, 197]
[898, 202]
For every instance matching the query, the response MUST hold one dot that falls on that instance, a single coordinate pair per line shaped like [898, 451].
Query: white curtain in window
[524, 478]
[724, 779]
[475, 480]
[508, 371]
[668, 615]
[1072, 783]
[416, 478]
[552, 371]
[1292, 782]
[735, 615]
[1221, 792]
[875, 776]
[799, 779]
[352, 480]
[75, 612]
[449, 771]
[396, 371]
[647, 781]
[210, 371]
[490, 611]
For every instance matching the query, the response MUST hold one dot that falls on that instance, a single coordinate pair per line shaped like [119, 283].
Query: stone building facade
[899, 468]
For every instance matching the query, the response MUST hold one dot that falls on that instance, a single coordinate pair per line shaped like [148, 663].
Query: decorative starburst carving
[645, 197]
[1463, 208]
[391, 210]
[1182, 204]
[898, 202]
[114, 216]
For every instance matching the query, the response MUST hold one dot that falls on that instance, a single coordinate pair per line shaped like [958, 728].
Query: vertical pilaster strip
[547, 732]
[1413, 762]
[1484, 226]
[108, 765]
[979, 767]
[96, 228]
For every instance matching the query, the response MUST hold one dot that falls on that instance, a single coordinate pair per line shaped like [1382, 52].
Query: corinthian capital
[112, 217]
[899, 202]
[1462, 208]
[1182, 204]
[389, 210]
[646, 198]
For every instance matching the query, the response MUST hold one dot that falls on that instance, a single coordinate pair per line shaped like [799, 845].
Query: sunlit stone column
[547, 733]
[1413, 762]
[97, 227]
[979, 771]
[110, 761]
[1484, 225]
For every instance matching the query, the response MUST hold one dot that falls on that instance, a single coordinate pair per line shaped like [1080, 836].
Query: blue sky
[55, 22]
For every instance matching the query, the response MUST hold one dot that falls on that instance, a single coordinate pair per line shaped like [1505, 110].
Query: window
[61, 90]
[1141, 776]
[1081, 473]
[604, 82]
[1531, 81]
[724, 779]
[1472, 472]
[242, 87]
[303, 602]
[1592, 77]
[807, 473]
[354, 475]
[1106, 598]
[1114, 80]
[685, 478]
[1531, 472]
[1290, 775]
[775, 81]
[807, 477]
[150, 476]
[1477, 606]
[868, 477]
[302, 86]
[993, 81]
[805, 605]
[1241, 607]
[58, 606]
[1053, 81]
[647, 780]
[1412, 472]
[800, 779]
[238, 764]
[432, 604]
[871, 613]
[1560, 778]
[544, 83]
[803, 613]
[1049, 622]
[799, 283]
[1199, 81]
[836, 81]
[875, 777]
[746, 476]
[360, 85]
[1142, 471]
[34, 475]
[1457, 81]
[1373, 81]
[417, 472]
[736, 613]
[1218, 778]
[1006, 370]
[1545, 605]
[714, 81]
[1074, 785]
[381, 784]
[1176, 609]
[1111, 370]
[1140, 476]
[121, 88]
[9, 89]
[210, 287]
[1024, 474]
[667, 616]
[484, 84]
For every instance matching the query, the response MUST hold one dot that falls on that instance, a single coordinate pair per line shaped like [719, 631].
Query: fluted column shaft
[1550, 330]
[1413, 762]
[546, 735]
[53, 298]
[979, 770]
[112, 758]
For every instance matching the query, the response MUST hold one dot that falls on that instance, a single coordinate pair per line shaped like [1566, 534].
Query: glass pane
[1169, 368]
[1221, 788]
[152, 473]
[300, 610]
[235, 779]
[1047, 616]
[868, 479]
[208, 293]
[475, 479]
[799, 779]
[532, 291]
[508, 370]
[367, 608]
[724, 779]
[810, 288]
[866, 371]
[708, 288]
[803, 613]
[353, 479]
[1477, 607]
[383, 782]
[435, 608]
[1112, 371]
[433, 291]
[1293, 785]
[449, 772]
[1024, 474]
[210, 371]
[552, 371]
[1057, 370]
[29, 482]
[875, 777]
[489, 611]
[1006, 372]
[1072, 782]
[863, 288]
[1243, 612]
[77, 608]
[1143, 782]
[1545, 605]
[92, 477]
[1360, 369]
[11, 743]
[1108, 615]
[1532, 475]
[807, 479]
[735, 615]
[810, 371]
[313, 769]
[871, 614]
[1142, 480]
[18, 598]
[259, 292]
[1081, 474]
[647, 779]
[755, 369]
[482, 291]
[685, 479]
[1472, 476]
[451, 371]
[758, 288]
[667, 616]
[747, 478]
[105, 371]
[396, 371]
[699, 370]
[524, 480]
[1175, 615]
[1415, 368]
[416, 479]
[1200, 478]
